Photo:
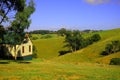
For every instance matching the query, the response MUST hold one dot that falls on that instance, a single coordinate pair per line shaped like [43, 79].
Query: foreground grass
[46, 70]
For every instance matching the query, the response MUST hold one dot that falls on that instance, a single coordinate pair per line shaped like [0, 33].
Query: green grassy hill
[49, 48]
[92, 52]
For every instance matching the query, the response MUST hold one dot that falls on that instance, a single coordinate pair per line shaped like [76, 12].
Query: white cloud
[102, 1]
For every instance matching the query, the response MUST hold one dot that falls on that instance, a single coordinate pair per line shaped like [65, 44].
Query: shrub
[116, 46]
[113, 47]
[115, 61]
[34, 52]
[109, 48]
[95, 38]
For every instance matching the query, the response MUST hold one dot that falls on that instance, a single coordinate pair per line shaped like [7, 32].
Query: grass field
[49, 48]
[84, 64]
[47, 70]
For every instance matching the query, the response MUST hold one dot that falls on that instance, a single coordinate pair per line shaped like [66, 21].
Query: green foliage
[41, 32]
[15, 34]
[116, 46]
[109, 48]
[92, 39]
[115, 61]
[112, 48]
[75, 40]
[2, 31]
[7, 6]
[34, 52]
[22, 20]
[95, 37]
[13, 38]
[61, 32]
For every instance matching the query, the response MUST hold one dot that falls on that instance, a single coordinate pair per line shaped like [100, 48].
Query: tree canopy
[15, 33]
[75, 41]
[8, 6]
[20, 21]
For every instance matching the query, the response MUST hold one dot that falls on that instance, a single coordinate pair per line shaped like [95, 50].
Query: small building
[23, 51]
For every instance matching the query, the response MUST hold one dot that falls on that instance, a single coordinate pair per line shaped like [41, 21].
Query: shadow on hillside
[63, 52]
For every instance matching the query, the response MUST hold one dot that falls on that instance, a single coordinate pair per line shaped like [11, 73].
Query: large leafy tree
[2, 31]
[15, 34]
[61, 32]
[8, 10]
[8, 6]
[74, 40]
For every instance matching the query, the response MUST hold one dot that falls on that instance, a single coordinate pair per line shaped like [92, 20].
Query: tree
[2, 31]
[8, 6]
[15, 34]
[95, 37]
[116, 46]
[74, 40]
[61, 32]
[34, 52]
[68, 40]
[109, 48]
[112, 48]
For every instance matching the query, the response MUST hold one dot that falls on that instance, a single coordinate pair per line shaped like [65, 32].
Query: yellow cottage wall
[19, 49]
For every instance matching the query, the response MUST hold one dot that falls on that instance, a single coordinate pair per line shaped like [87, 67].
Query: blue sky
[76, 14]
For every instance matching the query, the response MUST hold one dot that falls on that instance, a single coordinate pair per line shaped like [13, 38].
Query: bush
[111, 48]
[115, 61]
[34, 52]
[95, 38]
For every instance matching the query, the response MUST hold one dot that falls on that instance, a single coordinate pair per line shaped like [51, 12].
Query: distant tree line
[89, 31]
[60, 32]
[42, 32]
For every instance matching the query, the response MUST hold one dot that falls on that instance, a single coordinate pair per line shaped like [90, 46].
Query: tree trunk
[15, 52]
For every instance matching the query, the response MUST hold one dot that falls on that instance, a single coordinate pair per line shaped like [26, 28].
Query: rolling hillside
[49, 49]
[92, 52]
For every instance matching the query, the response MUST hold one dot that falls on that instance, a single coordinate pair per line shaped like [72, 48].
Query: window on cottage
[29, 48]
[23, 49]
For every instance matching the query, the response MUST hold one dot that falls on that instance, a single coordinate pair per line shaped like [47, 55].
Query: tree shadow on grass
[16, 61]
[23, 62]
[4, 62]
[64, 52]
